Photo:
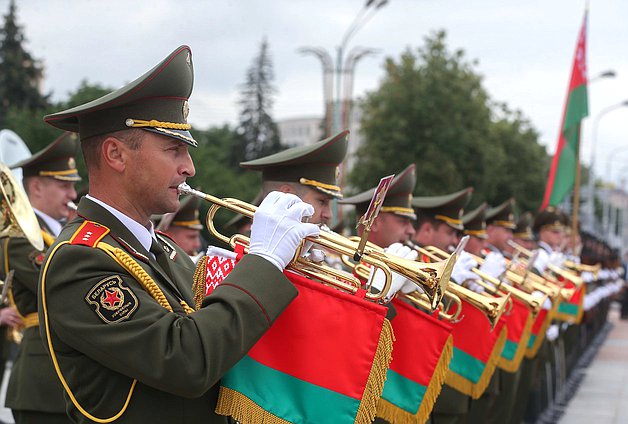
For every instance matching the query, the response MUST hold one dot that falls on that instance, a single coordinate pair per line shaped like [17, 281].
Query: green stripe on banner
[509, 350]
[531, 341]
[269, 389]
[568, 308]
[466, 365]
[403, 392]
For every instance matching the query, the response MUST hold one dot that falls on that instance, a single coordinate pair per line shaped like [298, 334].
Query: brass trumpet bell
[18, 218]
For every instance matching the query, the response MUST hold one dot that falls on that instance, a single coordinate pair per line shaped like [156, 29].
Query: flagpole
[576, 197]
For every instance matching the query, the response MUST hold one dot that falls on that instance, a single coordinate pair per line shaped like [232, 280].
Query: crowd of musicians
[119, 316]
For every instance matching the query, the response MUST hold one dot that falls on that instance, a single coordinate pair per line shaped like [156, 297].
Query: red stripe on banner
[419, 341]
[473, 333]
[539, 320]
[517, 320]
[334, 337]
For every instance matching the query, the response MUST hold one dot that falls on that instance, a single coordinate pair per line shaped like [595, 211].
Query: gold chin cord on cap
[153, 123]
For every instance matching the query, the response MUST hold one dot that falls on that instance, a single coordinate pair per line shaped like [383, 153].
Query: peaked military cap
[551, 218]
[157, 102]
[187, 216]
[474, 222]
[314, 165]
[523, 230]
[56, 160]
[447, 208]
[398, 198]
[502, 215]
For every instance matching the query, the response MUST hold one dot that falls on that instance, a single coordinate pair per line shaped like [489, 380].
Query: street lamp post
[591, 182]
[607, 204]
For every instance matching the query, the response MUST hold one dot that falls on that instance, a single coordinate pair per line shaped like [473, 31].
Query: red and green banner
[422, 351]
[572, 310]
[539, 328]
[324, 360]
[477, 349]
[562, 173]
[519, 324]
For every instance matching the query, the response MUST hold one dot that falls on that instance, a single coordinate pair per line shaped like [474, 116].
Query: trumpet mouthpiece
[184, 188]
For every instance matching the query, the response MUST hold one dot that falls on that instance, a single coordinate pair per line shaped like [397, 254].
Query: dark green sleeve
[180, 354]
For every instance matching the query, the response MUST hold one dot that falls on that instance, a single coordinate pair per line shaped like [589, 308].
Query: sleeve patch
[112, 300]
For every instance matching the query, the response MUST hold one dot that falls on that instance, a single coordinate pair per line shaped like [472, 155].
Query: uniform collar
[53, 225]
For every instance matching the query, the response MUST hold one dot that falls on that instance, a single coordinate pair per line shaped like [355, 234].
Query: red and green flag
[477, 348]
[562, 173]
[519, 324]
[572, 310]
[421, 354]
[324, 360]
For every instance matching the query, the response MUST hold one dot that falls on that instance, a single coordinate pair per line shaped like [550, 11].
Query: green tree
[432, 110]
[20, 73]
[258, 131]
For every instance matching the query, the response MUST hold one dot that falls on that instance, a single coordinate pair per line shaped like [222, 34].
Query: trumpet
[593, 269]
[444, 311]
[493, 285]
[555, 270]
[431, 279]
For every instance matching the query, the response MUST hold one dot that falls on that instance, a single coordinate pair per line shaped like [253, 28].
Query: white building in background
[306, 130]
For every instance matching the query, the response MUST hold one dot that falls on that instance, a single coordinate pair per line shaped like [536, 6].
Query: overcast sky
[524, 51]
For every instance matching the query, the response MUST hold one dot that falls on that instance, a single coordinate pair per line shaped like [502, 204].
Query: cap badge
[188, 59]
[71, 163]
[337, 174]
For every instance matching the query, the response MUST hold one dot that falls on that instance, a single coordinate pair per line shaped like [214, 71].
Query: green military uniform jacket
[176, 358]
[33, 385]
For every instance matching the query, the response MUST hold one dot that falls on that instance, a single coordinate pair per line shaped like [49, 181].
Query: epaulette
[89, 234]
[168, 236]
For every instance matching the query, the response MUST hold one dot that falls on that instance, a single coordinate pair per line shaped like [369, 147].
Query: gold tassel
[234, 404]
[375, 384]
[394, 414]
[512, 365]
[475, 390]
[198, 287]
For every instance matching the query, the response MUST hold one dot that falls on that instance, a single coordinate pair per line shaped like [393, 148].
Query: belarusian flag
[562, 174]
[422, 351]
[323, 360]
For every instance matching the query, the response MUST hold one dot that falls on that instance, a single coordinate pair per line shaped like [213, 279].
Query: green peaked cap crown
[157, 102]
[447, 208]
[397, 198]
[523, 230]
[474, 222]
[502, 215]
[549, 217]
[57, 160]
[314, 165]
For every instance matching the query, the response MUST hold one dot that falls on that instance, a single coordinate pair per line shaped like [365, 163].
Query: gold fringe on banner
[198, 285]
[512, 365]
[394, 414]
[531, 352]
[375, 384]
[243, 409]
[475, 390]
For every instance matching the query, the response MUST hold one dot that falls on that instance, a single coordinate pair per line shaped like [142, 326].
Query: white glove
[473, 286]
[494, 264]
[587, 277]
[547, 305]
[542, 259]
[277, 230]
[557, 259]
[399, 282]
[462, 268]
[552, 332]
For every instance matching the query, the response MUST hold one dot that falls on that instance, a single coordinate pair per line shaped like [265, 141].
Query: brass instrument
[17, 219]
[431, 278]
[444, 312]
[575, 279]
[593, 269]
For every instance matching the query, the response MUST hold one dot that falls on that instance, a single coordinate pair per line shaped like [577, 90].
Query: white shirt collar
[54, 225]
[545, 246]
[143, 234]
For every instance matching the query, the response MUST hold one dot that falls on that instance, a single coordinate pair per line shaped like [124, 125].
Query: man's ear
[114, 153]
[286, 188]
[426, 228]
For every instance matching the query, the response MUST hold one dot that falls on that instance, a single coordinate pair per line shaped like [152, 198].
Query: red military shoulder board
[89, 234]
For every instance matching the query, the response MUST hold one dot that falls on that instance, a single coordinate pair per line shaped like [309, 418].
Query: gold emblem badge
[71, 163]
[186, 110]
